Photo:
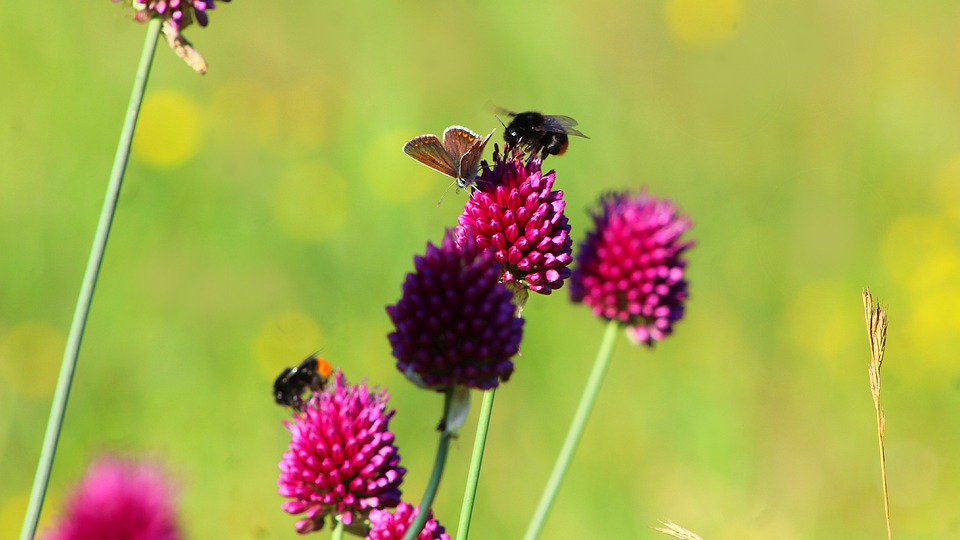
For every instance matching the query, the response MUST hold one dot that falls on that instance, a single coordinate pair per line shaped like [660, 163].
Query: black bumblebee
[311, 375]
[536, 132]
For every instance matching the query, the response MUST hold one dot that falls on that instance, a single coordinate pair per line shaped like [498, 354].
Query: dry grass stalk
[876, 319]
[677, 531]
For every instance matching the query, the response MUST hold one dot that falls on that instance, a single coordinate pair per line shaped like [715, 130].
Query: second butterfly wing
[467, 148]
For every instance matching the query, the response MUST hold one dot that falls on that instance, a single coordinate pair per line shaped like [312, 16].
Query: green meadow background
[269, 212]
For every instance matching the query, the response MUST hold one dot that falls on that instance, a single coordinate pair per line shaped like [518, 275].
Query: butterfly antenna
[445, 192]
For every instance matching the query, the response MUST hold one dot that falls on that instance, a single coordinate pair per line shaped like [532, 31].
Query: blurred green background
[268, 212]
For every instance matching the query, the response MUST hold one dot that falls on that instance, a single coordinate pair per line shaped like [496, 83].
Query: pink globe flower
[515, 211]
[392, 526]
[119, 500]
[341, 460]
[630, 266]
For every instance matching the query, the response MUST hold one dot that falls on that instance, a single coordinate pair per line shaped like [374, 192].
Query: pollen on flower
[630, 267]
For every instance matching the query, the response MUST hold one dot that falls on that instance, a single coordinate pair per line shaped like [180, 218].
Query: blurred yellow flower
[30, 357]
[284, 340]
[12, 510]
[168, 130]
[922, 255]
[920, 252]
[702, 22]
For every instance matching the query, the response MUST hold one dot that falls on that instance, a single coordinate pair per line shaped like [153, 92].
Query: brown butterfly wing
[458, 140]
[428, 149]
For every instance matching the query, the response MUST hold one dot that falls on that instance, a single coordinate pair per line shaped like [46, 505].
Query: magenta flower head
[341, 459]
[119, 500]
[387, 526]
[630, 267]
[177, 13]
[515, 211]
[455, 323]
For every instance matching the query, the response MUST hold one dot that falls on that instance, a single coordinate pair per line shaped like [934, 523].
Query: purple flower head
[387, 526]
[341, 460]
[455, 323]
[630, 267]
[514, 210]
[119, 500]
[177, 13]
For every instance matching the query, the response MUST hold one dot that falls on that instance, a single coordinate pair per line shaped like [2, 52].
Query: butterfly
[457, 156]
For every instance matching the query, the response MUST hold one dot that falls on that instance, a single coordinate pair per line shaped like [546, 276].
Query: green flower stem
[438, 464]
[59, 405]
[476, 460]
[575, 432]
[337, 530]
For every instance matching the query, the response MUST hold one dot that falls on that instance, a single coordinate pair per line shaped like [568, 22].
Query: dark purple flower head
[630, 267]
[455, 323]
[177, 13]
[341, 460]
[514, 210]
[119, 500]
[387, 526]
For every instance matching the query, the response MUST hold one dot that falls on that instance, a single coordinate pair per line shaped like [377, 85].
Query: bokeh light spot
[922, 254]
[932, 326]
[30, 357]
[309, 202]
[919, 251]
[395, 177]
[702, 22]
[168, 130]
[284, 340]
[14, 508]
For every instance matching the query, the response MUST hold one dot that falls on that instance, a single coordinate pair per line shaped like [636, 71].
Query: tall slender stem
[476, 460]
[575, 431]
[67, 368]
[431, 492]
[337, 530]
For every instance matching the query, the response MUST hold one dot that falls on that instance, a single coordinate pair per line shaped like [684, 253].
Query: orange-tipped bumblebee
[311, 375]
